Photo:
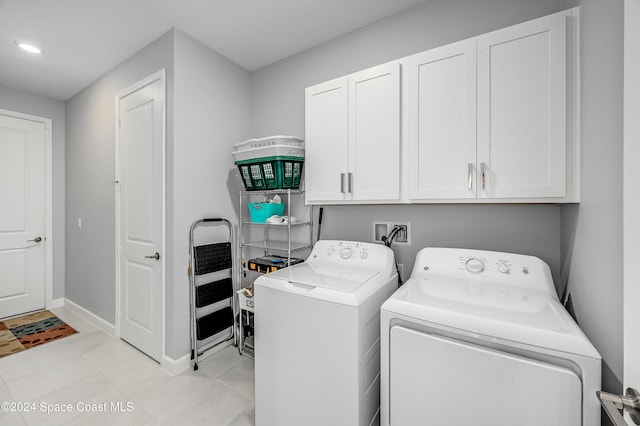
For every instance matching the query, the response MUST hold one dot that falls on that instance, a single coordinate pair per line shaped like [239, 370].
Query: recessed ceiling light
[29, 47]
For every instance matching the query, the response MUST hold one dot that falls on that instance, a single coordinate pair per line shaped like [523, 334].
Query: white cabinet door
[352, 140]
[441, 99]
[326, 139]
[522, 101]
[374, 134]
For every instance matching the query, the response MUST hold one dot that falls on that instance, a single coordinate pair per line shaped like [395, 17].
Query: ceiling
[84, 39]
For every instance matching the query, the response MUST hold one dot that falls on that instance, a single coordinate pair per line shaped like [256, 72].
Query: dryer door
[438, 381]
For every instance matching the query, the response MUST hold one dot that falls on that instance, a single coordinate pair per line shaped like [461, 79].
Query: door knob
[154, 256]
[630, 402]
[35, 240]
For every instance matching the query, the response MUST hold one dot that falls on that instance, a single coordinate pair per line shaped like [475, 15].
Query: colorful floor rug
[27, 331]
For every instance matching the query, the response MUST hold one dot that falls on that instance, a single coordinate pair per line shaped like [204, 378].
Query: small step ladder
[211, 286]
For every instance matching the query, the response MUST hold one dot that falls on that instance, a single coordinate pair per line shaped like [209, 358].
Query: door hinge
[119, 122]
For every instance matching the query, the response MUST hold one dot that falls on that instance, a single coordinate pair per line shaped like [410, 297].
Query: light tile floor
[94, 378]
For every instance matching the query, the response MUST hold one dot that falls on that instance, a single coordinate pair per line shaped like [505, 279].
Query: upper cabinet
[440, 87]
[352, 139]
[489, 119]
[326, 140]
[522, 110]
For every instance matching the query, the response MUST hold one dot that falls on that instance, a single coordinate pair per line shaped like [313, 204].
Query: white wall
[28, 103]
[90, 167]
[211, 113]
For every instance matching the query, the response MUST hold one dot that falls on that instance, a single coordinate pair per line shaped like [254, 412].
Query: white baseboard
[176, 366]
[170, 365]
[90, 316]
[56, 303]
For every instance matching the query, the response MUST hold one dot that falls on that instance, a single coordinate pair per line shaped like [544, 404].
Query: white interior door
[631, 231]
[22, 215]
[141, 217]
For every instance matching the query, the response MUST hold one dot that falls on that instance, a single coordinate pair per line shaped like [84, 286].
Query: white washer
[479, 337]
[317, 336]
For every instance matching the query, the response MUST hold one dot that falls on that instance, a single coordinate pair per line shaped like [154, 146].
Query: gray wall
[211, 113]
[278, 108]
[593, 229]
[28, 103]
[278, 95]
[90, 161]
[582, 243]
[527, 229]
[207, 112]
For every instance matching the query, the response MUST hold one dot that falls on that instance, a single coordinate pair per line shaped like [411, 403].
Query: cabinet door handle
[483, 173]
[470, 175]
[350, 185]
[342, 184]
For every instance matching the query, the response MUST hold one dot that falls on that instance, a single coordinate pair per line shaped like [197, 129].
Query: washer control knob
[363, 254]
[474, 265]
[331, 250]
[346, 253]
[504, 268]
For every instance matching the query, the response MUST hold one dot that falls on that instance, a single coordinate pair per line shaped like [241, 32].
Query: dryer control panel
[483, 266]
[480, 264]
[351, 253]
[349, 250]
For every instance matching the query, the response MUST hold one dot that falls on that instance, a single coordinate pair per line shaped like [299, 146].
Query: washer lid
[328, 277]
[519, 315]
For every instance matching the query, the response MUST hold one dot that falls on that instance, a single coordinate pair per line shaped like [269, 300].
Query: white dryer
[480, 338]
[317, 336]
